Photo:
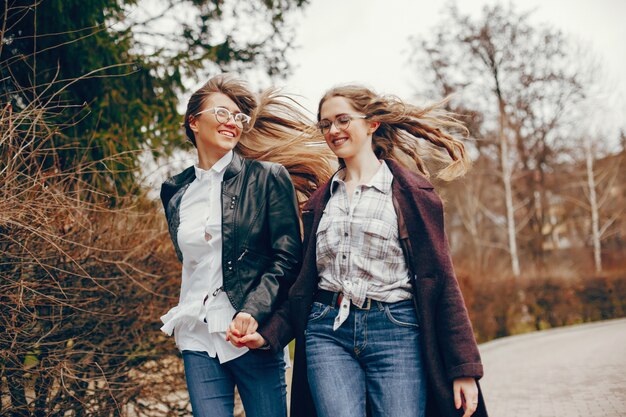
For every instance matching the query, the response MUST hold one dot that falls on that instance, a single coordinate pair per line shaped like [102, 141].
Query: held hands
[242, 332]
[466, 395]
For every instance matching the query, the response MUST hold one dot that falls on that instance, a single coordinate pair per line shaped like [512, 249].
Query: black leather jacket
[261, 249]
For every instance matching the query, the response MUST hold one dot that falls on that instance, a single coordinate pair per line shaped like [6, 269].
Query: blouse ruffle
[217, 318]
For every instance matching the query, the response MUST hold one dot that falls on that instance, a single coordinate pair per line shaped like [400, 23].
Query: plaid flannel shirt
[358, 249]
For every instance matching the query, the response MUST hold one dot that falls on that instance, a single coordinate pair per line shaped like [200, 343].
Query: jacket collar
[234, 167]
[175, 183]
[406, 178]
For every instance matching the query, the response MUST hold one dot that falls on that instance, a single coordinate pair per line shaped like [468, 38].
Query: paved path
[570, 371]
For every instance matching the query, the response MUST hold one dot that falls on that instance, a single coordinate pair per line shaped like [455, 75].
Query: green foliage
[103, 100]
[108, 95]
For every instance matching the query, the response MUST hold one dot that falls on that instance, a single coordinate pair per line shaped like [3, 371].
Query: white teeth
[227, 133]
[338, 142]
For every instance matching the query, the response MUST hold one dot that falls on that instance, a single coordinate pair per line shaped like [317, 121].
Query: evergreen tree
[107, 95]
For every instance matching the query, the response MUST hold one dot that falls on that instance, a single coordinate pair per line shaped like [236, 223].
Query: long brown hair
[402, 124]
[279, 131]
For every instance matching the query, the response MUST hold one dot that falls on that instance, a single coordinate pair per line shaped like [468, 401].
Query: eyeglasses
[222, 115]
[342, 122]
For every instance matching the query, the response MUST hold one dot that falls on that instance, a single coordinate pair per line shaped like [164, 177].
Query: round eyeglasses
[342, 122]
[222, 115]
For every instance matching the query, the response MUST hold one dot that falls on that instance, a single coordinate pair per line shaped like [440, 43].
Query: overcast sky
[366, 41]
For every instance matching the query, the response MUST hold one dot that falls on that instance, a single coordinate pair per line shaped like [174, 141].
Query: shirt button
[343, 256]
[345, 234]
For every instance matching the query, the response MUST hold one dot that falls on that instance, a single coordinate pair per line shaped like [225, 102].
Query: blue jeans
[258, 375]
[375, 352]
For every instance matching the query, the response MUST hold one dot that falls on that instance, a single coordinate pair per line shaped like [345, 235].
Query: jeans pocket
[402, 314]
[318, 311]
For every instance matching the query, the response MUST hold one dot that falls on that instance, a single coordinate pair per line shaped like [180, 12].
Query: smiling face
[356, 140]
[215, 139]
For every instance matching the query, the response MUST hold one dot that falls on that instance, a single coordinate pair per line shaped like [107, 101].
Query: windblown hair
[402, 124]
[279, 131]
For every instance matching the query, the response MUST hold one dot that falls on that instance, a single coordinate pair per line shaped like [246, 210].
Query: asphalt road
[570, 371]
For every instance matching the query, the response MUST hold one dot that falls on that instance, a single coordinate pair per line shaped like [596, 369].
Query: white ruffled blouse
[203, 314]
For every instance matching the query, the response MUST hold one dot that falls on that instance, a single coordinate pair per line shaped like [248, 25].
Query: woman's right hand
[242, 325]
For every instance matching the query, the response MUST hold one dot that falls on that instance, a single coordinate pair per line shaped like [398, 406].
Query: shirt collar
[217, 168]
[381, 180]
[337, 178]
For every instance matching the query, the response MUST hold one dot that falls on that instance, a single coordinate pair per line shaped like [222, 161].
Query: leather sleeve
[286, 247]
[290, 318]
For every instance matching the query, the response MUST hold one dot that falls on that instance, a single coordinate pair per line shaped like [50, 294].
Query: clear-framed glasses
[222, 115]
[342, 122]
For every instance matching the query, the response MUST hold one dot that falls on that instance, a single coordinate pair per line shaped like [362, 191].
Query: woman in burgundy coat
[380, 323]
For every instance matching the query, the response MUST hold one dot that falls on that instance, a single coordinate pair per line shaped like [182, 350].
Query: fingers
[242, 332]
[466, 394]
[233, 330]
[253, 341]
[457, 394]
[244, 323]
[234, 339]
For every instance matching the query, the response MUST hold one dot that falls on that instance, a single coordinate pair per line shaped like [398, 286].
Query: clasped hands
[242, 332]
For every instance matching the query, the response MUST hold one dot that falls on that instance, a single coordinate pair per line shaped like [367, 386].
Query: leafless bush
[82, 285]
[501, 305]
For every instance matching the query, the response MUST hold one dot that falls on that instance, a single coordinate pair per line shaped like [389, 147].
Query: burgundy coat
[448, 345]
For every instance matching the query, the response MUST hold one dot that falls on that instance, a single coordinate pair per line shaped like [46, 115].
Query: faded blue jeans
[259, 376]
[375, 352]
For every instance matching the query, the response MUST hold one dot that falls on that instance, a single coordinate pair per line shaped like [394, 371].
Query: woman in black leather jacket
[234, 224]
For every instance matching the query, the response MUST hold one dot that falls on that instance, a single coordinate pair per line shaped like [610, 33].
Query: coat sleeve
[286, 247]
[453, 327]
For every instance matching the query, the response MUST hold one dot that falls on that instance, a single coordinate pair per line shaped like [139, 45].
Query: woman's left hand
[466, 395]
[242, 325]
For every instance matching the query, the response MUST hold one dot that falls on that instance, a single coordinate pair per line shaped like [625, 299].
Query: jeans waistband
[333, 299]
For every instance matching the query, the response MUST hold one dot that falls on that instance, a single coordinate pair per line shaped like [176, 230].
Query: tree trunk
[507, 174]
[593, 201]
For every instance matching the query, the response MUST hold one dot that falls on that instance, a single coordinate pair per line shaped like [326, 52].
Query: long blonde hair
[279, 131]
[402, 124]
